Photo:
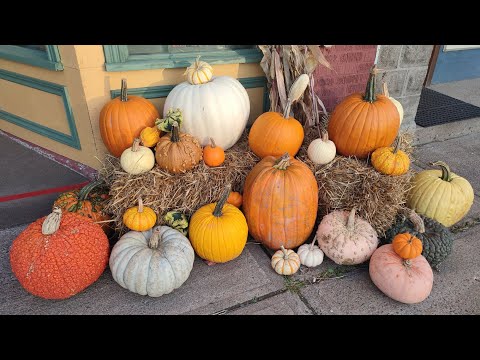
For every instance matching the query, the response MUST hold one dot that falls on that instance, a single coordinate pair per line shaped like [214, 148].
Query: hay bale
[347, 182]
[185, 192]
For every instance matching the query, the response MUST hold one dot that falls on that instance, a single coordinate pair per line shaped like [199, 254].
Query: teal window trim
[118, 59]
[49, 59]
[71, 140]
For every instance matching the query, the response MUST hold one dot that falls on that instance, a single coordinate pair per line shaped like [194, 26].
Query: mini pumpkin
[322, 150]
[407, 246]
[138, 159]
[200, 72]
[177, 220]
[285, 262]
[150, 136]
[139, 218]
[235, 198]
[213, 155]
[310, 254]
[391, 161]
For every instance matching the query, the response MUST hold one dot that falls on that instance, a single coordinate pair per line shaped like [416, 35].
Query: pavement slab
[285, 303]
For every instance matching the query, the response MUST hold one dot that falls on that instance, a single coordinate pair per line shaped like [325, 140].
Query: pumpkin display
[285, 262]
[200, 72]
[138, 159]
[59, 255]
[213, 155]
[441, 195]
[322, 150]
[177, 220]
[345, 238]
[139, 218]
[407, 281]
[216, 109]
[280, 202]
[362, 123]
[218, 231]
[88, 201]
[310, 254]
[395, 102]
[123, 118]
[407, 246]
[391, 161]
[273, 133]
[177, 152]
[150, 136]
[437, 240]
[235, 198]
[153, 262]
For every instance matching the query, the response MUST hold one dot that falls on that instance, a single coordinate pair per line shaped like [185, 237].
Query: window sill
[29, 57]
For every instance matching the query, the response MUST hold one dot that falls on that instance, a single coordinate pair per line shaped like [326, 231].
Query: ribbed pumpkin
[280, 202]
[150, 136]
[441, 195]
[362, 123]
[437, 240]
[273, 133]
[88, 201]
[200, 72]
[394, 101]
[407, 246]
[391, 161]
[285, 261]
[213, 155]
[218, 231]
[123, 118]
[139, 218]
[59, 255]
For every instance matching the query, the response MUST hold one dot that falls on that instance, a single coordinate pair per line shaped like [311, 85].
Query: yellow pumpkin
[441, 195]
[390, 161]
[150, 136]
[139, 218]
[218, 231]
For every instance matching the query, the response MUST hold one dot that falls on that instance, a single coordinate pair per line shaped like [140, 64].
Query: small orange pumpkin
[213, 155]
[407, 246]
[235, 198]
[391, 161]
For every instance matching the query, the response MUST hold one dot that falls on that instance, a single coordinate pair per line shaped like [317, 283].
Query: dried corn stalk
[282, 64]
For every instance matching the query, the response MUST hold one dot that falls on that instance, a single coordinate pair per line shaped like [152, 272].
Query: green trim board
[71, 140]
[155, 92]
[49, 59]
[117, 58]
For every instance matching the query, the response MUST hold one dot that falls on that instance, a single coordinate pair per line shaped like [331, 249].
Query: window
[138, 57]
[46, 56]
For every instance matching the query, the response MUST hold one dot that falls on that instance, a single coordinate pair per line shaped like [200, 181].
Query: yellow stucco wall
[89, 87]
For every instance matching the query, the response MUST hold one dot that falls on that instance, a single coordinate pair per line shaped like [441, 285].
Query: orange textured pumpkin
[280, 202]
[407, 246]
[59, 255]
[235, 198]
[123, 118]
[213, 155]
[362, 123]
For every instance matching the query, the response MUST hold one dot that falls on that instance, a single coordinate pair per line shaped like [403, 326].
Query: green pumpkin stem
[154, 239]
[351, 220]
[397, 144]
[417, 221]
[175, 137]
[370, 91]
[446, 173]
[221, 202]
[283, 162]
[85, 191]
[123, 91]
[52, 222]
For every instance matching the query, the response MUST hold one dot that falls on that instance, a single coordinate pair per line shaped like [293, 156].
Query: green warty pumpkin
[177, 220]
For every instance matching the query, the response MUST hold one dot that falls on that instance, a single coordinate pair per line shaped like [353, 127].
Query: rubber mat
[436, 108]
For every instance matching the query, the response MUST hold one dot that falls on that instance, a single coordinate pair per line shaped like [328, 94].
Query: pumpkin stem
[52, 222]
[212, 143]
[123, 91]
[140, 204]
[136, 144]
[385, 89]
[175, 137]
[417, 221]
[286, 112]
[83, 193]
[325, 136]
[407, 263]
[397, 144]
[446, 173]
[221, 202]
[370, 91]
[351, 220]
[154, 239]
[313, 242]
[283, 162]
[285, 255]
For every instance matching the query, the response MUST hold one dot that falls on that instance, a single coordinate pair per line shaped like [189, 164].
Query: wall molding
[71, 140]
[49, 60]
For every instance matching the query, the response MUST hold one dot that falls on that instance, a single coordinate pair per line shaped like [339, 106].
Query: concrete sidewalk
[248, 284]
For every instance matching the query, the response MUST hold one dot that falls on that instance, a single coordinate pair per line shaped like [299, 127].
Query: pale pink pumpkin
[345, 238]
[408, 281]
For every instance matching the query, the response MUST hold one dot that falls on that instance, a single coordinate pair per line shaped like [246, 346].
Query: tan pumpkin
[285, 262]
[150, 136]
[395, 102]
[391, 161]
[137, 159]
[139, 218]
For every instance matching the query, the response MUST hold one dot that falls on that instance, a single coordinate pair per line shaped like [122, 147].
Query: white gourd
[153, 262]
[200, 72]
[322, 150]
[310, 254]
[217, 109]
[395, 101]
[285, 262]
[138, 159]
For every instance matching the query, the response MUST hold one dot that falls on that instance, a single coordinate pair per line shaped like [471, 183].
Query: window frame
[117, 58]
[49, 60]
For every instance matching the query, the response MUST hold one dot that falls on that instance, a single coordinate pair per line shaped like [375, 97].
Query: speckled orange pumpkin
[59, 255]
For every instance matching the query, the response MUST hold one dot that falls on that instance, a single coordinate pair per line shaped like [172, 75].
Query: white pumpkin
[285, 262]
[138, 159]
[153, 262]
[322, 150]
[310, 254]
[200, 72]
[395, 101]
[218, 109]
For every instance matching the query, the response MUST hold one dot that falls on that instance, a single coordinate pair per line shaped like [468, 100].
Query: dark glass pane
[35, 47]
[165, 49]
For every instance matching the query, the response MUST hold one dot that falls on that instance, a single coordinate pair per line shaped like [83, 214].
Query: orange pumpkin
[59, 255]
[280, 202]
[235, 198]
[362, 123]
[123, 118]
[407, 246]
[213, 155]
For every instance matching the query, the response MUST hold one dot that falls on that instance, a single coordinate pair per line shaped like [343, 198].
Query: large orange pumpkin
[59, 255]
[280, 202]
[123, 118]
[362, 123]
